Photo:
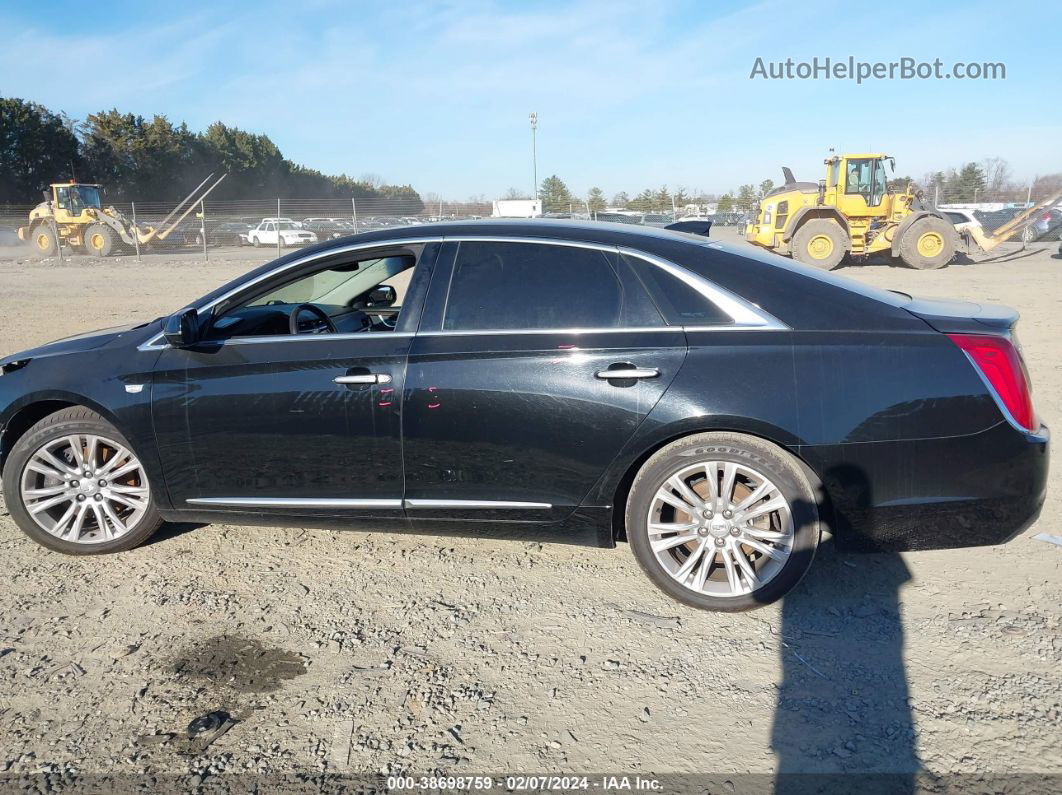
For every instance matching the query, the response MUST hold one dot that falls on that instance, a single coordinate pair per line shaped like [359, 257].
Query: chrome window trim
[510, 331]
[358, 335]
[311, 502]
[744, 313]
[475, 504]
[746, 316]
[291, 502]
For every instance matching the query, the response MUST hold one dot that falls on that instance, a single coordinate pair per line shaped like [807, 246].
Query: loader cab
[71, 199]
[861, 182]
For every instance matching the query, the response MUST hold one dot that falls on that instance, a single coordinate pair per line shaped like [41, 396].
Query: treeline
[989, 180]
[138, 159]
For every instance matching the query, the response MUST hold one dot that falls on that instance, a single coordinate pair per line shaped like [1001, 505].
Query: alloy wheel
[84, 488]
[720, 528]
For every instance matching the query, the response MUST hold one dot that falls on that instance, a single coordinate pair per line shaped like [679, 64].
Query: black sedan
[230, 233]
[712, 406]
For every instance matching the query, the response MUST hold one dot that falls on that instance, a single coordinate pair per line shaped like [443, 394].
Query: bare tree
[997, 175]
[374, 181]
[1045, 186]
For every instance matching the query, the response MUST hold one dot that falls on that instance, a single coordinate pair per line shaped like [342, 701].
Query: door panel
[523, 418]
[264, 421]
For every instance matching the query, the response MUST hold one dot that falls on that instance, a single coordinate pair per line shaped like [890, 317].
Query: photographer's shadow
[843, 703]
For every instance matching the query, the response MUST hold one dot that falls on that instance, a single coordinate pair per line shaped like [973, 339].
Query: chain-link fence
[225, 222]
[228, 222]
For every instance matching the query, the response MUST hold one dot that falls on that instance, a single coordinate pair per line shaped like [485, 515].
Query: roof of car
[589, 231]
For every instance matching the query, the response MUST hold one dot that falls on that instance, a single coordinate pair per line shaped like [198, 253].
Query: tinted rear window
[508, 286]
[679, 303]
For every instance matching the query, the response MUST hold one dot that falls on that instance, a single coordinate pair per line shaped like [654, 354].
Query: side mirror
[382, 296]
[181, 329]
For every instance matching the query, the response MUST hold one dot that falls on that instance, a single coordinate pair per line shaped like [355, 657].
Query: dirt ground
[375, 653]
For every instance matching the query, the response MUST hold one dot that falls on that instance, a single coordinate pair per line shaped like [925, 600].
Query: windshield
[286, 227]
[88, 195]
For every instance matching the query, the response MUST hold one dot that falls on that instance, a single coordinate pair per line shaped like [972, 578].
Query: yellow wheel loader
[72, 215]
[852, 212]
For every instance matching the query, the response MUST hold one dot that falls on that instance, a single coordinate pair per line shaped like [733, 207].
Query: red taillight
[1001, 365]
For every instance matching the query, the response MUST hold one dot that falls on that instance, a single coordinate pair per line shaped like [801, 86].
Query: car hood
[75, 344]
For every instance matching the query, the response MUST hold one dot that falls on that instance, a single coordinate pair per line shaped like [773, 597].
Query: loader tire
[99, 240]
[820, 242]
[928, 244]
[44, 242]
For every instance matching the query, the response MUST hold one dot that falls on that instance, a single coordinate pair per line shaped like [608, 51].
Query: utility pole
[534, 155]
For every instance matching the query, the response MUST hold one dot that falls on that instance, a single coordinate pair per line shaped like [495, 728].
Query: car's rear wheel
[723, 521]
[74, 484]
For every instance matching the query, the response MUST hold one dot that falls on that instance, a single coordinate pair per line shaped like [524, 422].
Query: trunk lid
[963, 317]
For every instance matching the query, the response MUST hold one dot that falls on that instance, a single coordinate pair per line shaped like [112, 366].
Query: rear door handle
[363, 378]
[629, 372]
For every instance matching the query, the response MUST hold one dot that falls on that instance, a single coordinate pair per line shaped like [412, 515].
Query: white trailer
[517, 208]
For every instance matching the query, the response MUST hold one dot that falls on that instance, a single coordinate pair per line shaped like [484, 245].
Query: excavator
[73, 215]
[853, 212]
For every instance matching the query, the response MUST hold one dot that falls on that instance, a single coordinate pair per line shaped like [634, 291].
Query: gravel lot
[365, 652]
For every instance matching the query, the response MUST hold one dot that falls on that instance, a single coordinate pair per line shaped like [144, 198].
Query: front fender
[121, 398]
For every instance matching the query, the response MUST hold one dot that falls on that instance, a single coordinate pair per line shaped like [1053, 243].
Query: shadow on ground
[843, 703]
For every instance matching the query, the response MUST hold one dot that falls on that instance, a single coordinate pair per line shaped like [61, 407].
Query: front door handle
[363, 378]
[629, 372]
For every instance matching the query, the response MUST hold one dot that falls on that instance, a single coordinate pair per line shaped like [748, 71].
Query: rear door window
[513, 286]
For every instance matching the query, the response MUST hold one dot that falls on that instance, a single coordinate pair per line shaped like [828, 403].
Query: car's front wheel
[74, 484]
[723, 521]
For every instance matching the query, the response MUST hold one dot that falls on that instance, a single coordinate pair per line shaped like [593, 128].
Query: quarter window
[508, 286]
[681, 304]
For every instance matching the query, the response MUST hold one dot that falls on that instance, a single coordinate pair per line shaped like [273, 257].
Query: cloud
[628, 93]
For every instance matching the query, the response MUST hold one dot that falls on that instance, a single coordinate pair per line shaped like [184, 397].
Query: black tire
[99, 240]
[917, 253]
[254, 241]
[820, 242]
[43, 239]
[76, 419]
[776, 464]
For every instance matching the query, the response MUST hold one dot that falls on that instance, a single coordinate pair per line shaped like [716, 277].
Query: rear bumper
[962, 491]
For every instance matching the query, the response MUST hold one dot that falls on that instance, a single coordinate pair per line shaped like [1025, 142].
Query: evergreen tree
[595, 200]
[555, 196]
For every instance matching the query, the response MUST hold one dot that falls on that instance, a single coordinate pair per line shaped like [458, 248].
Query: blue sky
[629, 94]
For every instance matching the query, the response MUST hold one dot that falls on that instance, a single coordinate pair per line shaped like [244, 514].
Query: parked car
[228, 233]
[992, 220]
[266, 233]
[1046, 225]
[328, 229]
[961, 219]
[713, 406]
